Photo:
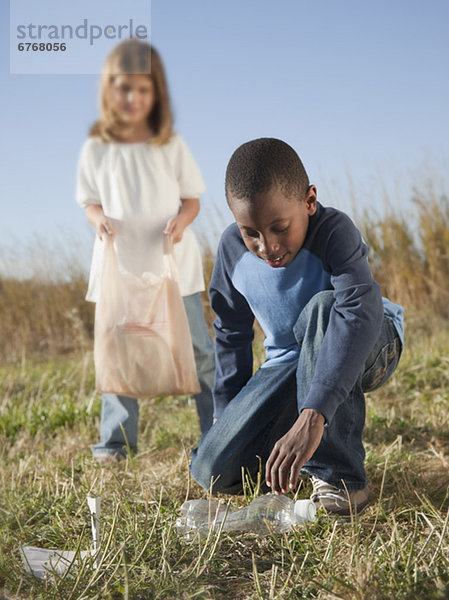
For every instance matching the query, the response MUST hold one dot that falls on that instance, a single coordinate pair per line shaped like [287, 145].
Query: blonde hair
[134, 57]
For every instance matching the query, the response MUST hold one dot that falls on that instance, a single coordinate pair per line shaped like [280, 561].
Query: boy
[301, 269]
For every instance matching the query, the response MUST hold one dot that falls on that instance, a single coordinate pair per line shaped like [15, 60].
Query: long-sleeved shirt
[243, 287]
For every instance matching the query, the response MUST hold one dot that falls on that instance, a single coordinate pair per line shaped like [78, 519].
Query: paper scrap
[95, 515]
[43, 563]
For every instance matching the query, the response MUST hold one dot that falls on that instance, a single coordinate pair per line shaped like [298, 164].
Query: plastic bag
[142, 344]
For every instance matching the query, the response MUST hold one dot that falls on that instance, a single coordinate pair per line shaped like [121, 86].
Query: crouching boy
[301, 269]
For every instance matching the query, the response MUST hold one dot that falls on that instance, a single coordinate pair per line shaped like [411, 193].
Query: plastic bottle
[195, 513]
[265, 514]
[270, 513]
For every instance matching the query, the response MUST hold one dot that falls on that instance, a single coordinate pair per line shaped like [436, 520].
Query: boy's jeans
[119, 412]
[266, 408]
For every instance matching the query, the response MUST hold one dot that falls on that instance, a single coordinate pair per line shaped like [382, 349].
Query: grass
[49, 418]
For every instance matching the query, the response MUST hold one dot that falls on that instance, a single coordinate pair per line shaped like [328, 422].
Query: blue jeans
[266, 408]
[120, 414]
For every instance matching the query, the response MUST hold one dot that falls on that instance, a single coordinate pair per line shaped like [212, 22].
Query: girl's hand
[175, 227]
[104, 227]
[97, 218]
[187, 213]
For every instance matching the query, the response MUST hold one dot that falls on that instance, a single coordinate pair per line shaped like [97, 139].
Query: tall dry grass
[408, 252]
[409, 256]
[42, 305]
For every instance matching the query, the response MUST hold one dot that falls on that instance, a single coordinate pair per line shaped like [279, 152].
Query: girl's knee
[205, 362]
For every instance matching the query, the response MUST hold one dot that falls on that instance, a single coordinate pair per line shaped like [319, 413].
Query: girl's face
[133, 98]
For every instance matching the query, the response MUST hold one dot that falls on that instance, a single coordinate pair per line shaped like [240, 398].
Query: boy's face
[274, 227]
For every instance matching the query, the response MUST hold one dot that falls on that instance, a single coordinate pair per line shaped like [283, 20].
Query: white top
[139, 187]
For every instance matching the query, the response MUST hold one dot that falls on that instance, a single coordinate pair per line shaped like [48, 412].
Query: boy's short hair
[259, 164]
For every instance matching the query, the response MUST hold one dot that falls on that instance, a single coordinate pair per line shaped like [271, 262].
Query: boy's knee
[316, 312]
[322, 301]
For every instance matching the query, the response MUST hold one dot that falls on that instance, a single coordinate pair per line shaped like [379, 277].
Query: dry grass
[49, 418]
[45, 311]
[42, 306]
[409, 255]
[49, 415]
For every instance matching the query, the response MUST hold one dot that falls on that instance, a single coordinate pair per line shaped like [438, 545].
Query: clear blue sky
[358, 88]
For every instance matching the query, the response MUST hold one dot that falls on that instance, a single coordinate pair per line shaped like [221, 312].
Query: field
[49, 418]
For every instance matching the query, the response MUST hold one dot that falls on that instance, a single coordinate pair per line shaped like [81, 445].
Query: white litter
[44, 563]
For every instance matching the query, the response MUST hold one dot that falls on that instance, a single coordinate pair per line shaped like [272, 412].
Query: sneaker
[338, 501]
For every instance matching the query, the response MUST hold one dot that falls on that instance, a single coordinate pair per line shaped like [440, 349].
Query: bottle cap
[305, 510]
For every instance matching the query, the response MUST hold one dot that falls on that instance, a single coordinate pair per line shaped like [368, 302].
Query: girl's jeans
[266, 408]
[120, 414]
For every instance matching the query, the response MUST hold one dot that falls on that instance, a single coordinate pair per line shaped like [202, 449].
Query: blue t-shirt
[244, 287]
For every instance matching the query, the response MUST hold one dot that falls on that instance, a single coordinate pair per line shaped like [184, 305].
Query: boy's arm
[355, 319]
[234, 334]
[354, 325]
[188, 211]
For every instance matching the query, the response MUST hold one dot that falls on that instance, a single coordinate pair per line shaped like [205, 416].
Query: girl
[138, 181]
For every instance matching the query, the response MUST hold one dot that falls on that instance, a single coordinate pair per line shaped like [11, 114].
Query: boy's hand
[294, 449]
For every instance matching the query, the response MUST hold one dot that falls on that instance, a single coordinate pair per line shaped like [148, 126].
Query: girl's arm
[97, 218]
[188, 210]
